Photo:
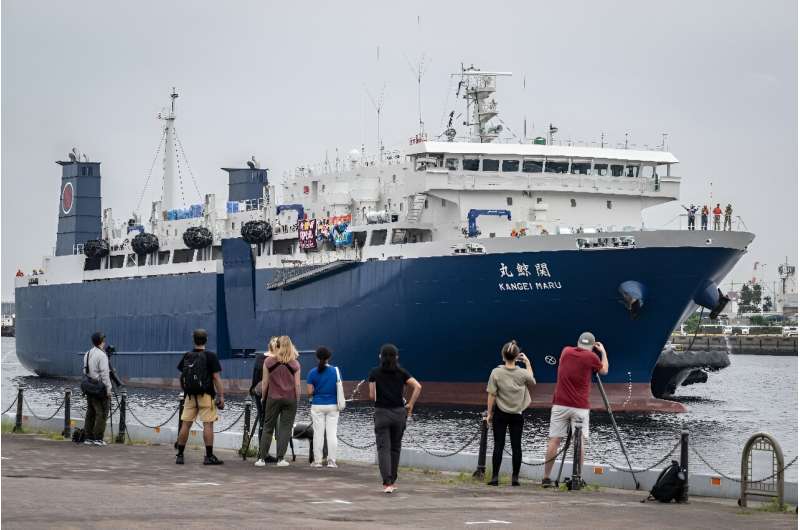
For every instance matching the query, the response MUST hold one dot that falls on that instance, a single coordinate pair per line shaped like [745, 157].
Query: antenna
[418, 72]
[378, 104]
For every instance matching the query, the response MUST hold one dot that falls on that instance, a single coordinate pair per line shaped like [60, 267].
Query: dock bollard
[575, 481]
[684, 494]
[123, 403]
[18, 419]
[480, 471]
[67, 432]
[246, 431]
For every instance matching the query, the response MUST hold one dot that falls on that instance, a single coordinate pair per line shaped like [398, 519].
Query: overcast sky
[286, 82]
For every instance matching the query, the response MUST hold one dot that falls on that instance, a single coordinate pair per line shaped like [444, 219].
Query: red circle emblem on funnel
[67, 197]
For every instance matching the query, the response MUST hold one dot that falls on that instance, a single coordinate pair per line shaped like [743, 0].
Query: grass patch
[768, 507]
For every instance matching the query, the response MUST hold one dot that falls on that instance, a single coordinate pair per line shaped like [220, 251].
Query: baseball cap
[586, 339]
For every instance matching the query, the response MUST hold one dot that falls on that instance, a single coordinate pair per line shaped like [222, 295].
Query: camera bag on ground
[78, 436]
[90, 386]
[194, 375]
[669, 484]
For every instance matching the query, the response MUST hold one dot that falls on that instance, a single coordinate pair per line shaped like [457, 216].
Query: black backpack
[194, 376]
[669, 484]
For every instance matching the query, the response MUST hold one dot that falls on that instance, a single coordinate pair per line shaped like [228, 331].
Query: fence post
[67, 432]
[18, 419]
[246, 432]
[684, 494]
[181, 398]
[480, 471]
[123, 402]
[575, 481]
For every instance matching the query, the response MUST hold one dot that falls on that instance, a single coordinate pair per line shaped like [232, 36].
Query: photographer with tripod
[96, 386]
[571, 397]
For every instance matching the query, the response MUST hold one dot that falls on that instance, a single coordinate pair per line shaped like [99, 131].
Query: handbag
[341, 402]
[89, 386]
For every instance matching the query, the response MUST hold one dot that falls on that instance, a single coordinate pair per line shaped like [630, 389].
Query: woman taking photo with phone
[510, 388]
[387, 383]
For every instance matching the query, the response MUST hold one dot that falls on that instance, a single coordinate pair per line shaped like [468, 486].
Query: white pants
[324, 418]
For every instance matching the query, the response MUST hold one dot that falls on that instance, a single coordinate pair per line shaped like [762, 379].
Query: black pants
[500, 422]
[390, 424]
[96, 416]
[691, 222]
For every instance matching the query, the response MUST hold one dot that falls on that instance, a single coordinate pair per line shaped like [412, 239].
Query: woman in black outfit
[387, 383]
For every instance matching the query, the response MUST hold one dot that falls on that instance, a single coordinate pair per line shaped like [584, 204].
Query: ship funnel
[711, 297]
[79, 216]
[632, 297]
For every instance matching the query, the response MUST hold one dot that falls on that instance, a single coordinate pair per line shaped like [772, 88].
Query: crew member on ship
[728, 216]
[704, 218]
[691, 211]
[717, 214]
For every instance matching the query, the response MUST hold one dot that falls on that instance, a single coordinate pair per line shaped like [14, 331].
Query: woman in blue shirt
[321, 388]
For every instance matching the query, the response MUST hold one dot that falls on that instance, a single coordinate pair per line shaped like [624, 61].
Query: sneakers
[179, 459]
[260, 463]
[514, 481]
[101, 443]
[493, 482]
[212, 461]
[88, 442]
[388, 488]
[332, 463]
[282, 463]
[316, 464]
[547, 483]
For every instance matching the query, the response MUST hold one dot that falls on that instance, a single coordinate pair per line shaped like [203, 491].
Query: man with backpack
[96, 387]
[203, 394]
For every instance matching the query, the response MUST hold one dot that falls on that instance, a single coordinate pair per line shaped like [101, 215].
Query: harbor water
[756, 393]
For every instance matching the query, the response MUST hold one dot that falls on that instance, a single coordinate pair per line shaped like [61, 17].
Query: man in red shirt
[571, 398]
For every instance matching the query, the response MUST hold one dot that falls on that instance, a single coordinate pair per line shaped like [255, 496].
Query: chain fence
[10, 406]
[133, 415]
[739, 479]
[41, 418]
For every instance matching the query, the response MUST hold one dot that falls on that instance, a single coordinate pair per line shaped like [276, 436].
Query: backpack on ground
[669, 484]
[78, 436]
[194, 376]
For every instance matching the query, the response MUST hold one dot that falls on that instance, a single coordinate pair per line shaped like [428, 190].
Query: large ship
[447, 248]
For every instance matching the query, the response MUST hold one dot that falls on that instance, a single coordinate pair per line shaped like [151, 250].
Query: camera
[110, 350]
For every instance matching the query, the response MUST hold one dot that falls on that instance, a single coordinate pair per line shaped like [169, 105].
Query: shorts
[201, 408]
[561, 417]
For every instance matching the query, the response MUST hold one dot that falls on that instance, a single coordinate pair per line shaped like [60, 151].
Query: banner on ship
[307, 230]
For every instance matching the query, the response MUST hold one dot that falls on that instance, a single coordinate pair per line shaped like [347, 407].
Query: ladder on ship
[288, 279]
[417, 205]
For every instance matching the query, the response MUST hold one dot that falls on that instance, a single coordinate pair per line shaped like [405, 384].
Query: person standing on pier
[321, 389]
[571, 397]
[717, 214]
[95, 364]
[281, 388]
[691, 211]
[203, 394]
[704, 218]
[728, 216]
[255, 385]
[387, 384]
[510, 388]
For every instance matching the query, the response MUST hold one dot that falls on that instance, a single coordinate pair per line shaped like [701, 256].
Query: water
[756, 393]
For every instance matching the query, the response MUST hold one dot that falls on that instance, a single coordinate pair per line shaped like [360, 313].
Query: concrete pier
[57, 484]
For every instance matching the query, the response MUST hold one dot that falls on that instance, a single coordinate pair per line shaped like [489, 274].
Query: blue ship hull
[448, 315]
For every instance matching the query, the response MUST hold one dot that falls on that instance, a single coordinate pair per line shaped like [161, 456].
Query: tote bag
[341, 402]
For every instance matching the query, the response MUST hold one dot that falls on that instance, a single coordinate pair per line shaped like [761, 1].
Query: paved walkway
[57, 484]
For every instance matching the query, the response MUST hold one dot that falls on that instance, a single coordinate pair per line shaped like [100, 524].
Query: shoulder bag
[341, 402]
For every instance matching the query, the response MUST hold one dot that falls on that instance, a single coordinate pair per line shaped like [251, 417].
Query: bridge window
[632, 171]
[601, 169]
[216, 252]
[490, 164]
[556, 166]
[511, 165]
[183, 255]
[573, 203]
[532, 166]
[617, 170]
[609, 204]
[451, 164]
[581, 168]
[471, 164]
[117, 262]
[509, 201]
[378, 238]
[359, 238]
